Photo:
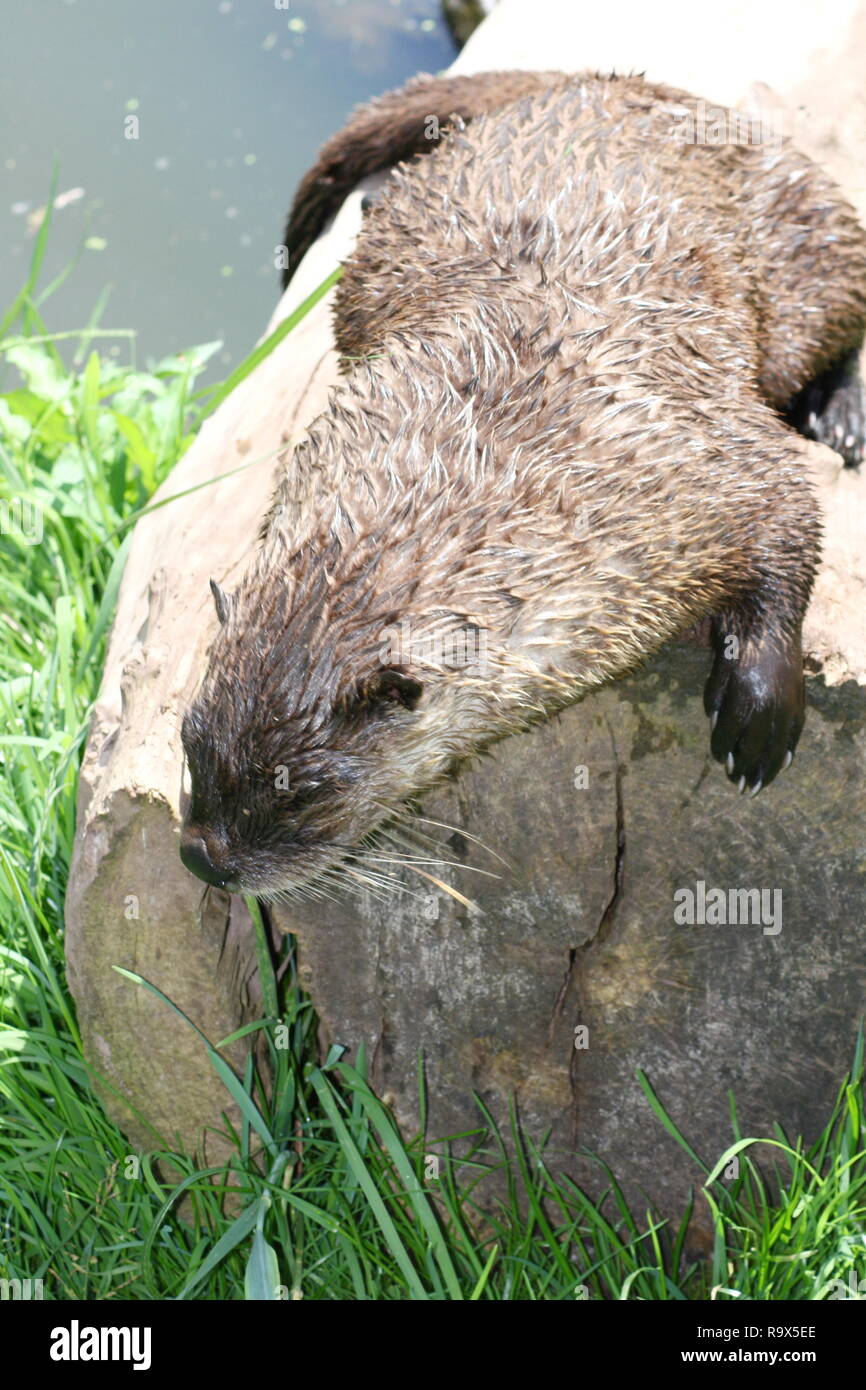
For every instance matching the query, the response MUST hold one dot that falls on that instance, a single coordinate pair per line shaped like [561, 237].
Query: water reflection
[180, 130]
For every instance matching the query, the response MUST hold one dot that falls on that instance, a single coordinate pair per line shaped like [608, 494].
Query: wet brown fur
[568, 336]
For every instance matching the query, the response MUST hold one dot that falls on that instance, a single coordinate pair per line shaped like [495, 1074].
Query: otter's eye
[391, 687]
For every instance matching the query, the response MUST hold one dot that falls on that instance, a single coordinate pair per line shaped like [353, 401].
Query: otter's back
[596, 184]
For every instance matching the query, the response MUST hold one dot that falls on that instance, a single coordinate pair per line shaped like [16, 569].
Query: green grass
[322, 1197]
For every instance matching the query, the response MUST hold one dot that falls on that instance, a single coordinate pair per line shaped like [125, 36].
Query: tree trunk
[575, 972]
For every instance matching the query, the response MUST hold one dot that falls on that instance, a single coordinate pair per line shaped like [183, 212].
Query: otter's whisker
[444, 863]
[411, 860]
[452, 892]
[456, 830]
[367, 882]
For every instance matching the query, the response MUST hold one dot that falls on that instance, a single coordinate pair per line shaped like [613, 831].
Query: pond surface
[227, 102]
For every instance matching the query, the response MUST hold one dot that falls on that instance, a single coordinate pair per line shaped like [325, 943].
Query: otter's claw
[832, 409]
[756, 705]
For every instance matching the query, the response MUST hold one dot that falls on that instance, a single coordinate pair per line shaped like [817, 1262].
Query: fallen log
[575, 972]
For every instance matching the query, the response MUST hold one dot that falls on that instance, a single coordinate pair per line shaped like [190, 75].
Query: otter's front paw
[755, 698]
[832, 410]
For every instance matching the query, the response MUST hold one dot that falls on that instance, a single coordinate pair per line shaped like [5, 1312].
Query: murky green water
[228, 99]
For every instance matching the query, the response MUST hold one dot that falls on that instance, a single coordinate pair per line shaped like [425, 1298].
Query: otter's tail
[406, 122]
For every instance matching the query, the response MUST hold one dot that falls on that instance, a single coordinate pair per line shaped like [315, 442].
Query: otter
[577, 349]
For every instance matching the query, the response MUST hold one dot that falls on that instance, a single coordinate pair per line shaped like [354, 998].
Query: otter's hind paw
[756, 704]
[832, 410]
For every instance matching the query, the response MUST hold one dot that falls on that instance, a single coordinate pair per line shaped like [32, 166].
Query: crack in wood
[580, 956]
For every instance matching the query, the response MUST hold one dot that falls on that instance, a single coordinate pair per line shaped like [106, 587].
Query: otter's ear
[393, 687]
[222, 601]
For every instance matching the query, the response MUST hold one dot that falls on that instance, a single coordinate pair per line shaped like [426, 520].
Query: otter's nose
[197, 858]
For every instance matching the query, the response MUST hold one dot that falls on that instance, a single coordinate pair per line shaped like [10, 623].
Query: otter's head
[310, 729]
